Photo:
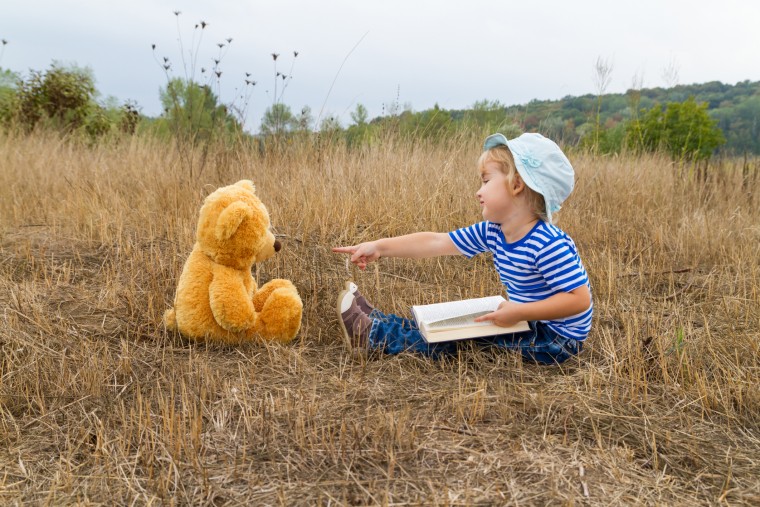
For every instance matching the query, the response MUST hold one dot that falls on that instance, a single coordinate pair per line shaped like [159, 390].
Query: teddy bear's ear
[230, 219]
[247, 184]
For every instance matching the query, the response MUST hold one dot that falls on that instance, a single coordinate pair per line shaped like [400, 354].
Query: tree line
[686, 121]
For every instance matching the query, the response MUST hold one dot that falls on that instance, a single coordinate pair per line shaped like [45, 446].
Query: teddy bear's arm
[230, 303]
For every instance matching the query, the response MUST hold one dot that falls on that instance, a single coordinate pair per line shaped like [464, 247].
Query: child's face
[496, 199]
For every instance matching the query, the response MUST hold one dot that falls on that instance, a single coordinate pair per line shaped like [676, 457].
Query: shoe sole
[351, 286]
[346, 335]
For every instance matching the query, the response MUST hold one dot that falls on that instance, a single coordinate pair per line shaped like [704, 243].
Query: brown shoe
[355, 323]
[361, 301]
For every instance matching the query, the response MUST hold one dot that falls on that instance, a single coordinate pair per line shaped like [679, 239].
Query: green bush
[60, 97]
[8, 81]
[684, 130]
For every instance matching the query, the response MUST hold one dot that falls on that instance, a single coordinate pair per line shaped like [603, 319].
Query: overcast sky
[411, 52]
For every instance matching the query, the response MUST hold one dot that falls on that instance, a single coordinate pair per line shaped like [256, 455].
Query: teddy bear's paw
[280, 317]
[170, 320]
[265, 291]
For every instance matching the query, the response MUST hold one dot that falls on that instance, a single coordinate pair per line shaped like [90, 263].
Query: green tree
[432, 124]
[193, 113]
[8, 82]
[329, 125]
[359, 116]
[740, 124]
[361, 132]
[489, 116]
[278, 120]
[305, 120]
[684, 130]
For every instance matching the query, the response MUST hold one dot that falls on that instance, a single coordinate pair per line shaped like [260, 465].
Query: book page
[455, 322]
[449, 311]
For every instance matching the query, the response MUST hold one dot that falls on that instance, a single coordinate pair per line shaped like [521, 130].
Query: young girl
[524, 181]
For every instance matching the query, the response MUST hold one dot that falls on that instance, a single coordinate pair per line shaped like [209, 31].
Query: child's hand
[361, 254]
[508, 314]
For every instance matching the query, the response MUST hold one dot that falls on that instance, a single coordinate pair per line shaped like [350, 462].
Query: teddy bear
[217, 299]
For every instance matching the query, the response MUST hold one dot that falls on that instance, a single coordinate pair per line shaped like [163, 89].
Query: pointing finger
[344, 249]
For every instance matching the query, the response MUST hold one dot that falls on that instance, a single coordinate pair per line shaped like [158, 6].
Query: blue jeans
[392, 334]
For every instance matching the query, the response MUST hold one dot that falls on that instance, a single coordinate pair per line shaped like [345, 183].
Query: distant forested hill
[735, 107]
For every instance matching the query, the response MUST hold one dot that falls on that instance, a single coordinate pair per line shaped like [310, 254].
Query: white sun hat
[542, 166]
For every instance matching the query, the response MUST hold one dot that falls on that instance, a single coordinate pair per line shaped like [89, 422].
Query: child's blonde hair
[503, 157]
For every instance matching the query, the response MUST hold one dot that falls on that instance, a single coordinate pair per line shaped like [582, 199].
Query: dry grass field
[99, 405]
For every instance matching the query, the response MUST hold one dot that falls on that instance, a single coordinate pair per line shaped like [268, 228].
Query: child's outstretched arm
[417, 245]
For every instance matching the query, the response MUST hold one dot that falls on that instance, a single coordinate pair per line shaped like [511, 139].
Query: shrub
[684, 130]
[62, 97]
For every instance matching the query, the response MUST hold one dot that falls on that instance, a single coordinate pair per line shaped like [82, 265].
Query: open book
[455, 320]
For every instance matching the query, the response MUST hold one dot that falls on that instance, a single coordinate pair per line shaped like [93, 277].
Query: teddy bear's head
[233, 227]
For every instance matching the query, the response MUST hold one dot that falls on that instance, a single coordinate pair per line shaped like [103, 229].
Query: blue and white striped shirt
[541, 264]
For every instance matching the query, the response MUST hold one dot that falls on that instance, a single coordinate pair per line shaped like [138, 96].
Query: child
[524, 181]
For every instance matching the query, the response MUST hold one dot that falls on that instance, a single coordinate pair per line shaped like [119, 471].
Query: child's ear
[518, 185]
